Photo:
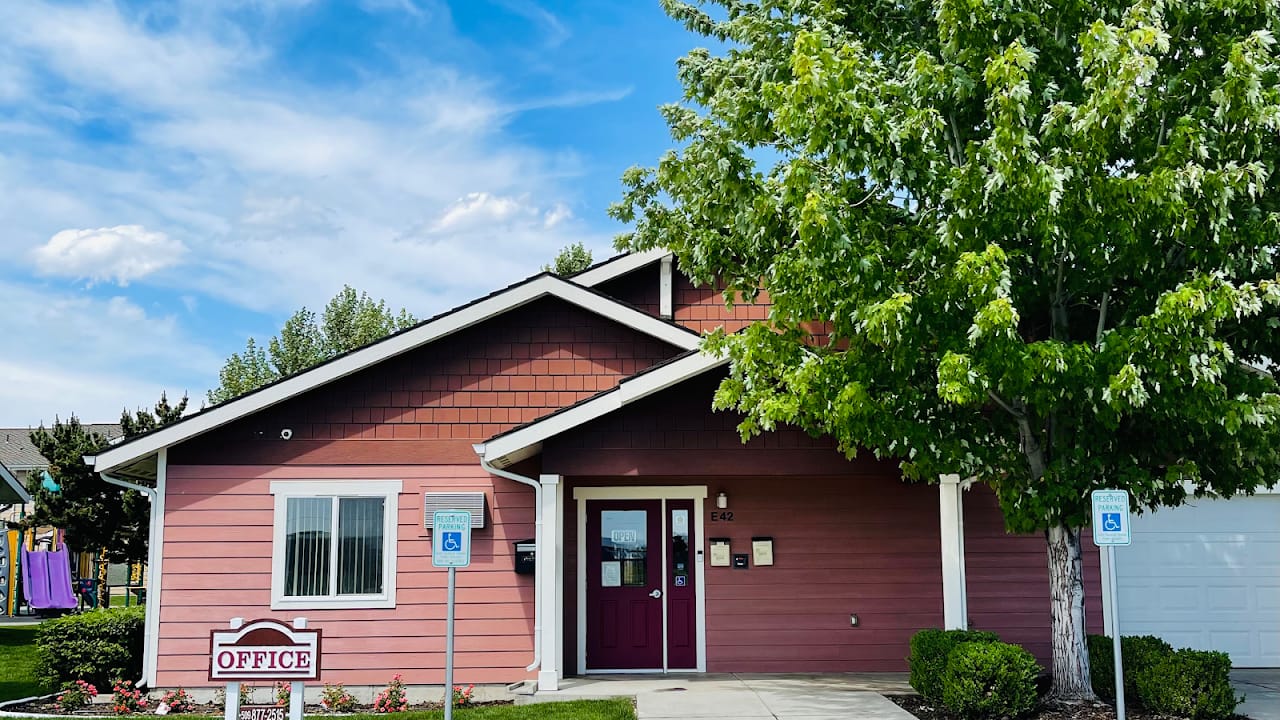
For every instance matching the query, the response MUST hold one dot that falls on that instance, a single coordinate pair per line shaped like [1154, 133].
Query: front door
[641, 597]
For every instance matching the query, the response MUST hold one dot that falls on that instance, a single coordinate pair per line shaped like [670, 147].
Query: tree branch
[1102, 318]
[992, 394]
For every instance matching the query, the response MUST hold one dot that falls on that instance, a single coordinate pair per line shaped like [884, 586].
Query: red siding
[217, 565]
[430, 404]
[638, 288]
[858, 544]
[703, 308]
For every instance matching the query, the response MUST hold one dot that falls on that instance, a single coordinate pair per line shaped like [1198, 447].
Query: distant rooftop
[18, 454]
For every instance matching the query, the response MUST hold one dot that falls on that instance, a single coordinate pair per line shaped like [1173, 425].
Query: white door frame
[696, 493]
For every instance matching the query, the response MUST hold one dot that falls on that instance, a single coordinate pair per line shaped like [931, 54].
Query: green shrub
[989, 680]
[1137, 652]
[1189, 683]
[929, 652]
[95, 646]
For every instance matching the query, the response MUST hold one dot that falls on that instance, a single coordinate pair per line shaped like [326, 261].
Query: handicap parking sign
[1111, 517]
[451, 538]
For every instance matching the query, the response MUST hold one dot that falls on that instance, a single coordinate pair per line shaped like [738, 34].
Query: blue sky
[180, 175]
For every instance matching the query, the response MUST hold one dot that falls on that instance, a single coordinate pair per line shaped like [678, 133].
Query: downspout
[153, 543]
[537, 531]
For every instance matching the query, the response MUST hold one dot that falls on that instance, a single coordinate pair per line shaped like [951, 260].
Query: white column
[955, 600]
[666, 301]
[550, 568]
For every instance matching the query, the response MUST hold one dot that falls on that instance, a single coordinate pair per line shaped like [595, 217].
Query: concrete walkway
[745, 696]
[1261, 690]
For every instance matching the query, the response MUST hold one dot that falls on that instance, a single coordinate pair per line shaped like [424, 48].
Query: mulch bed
[1049, 710]
[97, 709]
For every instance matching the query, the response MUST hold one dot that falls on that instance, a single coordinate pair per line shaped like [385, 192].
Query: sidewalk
[745, 696]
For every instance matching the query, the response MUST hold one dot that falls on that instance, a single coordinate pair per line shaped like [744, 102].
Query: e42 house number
[722, 516]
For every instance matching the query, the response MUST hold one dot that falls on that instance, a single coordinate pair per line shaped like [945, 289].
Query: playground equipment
[8, 572]
[46, 577]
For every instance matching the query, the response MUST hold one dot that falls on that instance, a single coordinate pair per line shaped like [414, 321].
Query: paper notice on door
[610, 573]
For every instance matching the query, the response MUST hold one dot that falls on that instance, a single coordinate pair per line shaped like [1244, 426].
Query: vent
[472, 502]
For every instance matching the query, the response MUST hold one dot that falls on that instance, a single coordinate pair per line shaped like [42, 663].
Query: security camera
[286, 434]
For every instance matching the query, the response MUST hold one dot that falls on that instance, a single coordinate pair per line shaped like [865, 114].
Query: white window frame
[282, 490]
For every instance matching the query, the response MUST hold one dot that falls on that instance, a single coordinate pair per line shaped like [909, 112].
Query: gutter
[153, 550]
[538, 533]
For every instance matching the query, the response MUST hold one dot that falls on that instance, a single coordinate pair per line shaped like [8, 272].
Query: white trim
[449, 323]
[662, 493]
[12, 481]
[955, 601]
[618, 267]
[155, 566]
[282, 490]
[666, 293]
[526, 440]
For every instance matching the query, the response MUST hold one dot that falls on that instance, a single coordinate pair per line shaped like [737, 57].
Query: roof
[11, 491]
[617, 266]
[526, 440]
[490, 306]
[19, 454]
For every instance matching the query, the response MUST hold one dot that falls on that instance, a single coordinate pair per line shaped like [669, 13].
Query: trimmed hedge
[1137, 653]
[98, 647]
[929, 652]
[1189, 683]
[990, 680]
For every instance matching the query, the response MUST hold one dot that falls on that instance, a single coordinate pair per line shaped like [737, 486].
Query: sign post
[1111, 527]
[450, 548]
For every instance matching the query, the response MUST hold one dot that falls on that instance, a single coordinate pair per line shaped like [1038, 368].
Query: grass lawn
[18, 662]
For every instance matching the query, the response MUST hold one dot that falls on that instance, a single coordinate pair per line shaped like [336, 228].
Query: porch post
[955, 600]
[551, 567]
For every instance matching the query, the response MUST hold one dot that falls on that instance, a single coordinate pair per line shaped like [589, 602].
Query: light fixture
[722, 501]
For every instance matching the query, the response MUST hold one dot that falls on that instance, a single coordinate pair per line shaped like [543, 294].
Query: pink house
[574, 416]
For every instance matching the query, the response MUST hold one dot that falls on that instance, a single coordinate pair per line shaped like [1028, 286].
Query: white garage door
[1207, 576]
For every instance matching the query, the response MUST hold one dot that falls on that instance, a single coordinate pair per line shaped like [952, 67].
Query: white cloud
[80, 354]
[123, 253]
[481, 207]
[407, 183]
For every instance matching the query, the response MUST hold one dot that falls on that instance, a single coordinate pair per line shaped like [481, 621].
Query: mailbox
[526, 556]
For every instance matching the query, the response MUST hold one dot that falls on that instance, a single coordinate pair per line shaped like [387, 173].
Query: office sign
[266, 650]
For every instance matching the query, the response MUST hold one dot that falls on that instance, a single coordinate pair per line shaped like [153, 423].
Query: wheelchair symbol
[451, 542]
[1111, 522]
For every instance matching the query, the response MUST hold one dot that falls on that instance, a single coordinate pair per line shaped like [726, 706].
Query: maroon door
[624, 585]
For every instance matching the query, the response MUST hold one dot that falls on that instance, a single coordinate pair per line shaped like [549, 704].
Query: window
[334, 544]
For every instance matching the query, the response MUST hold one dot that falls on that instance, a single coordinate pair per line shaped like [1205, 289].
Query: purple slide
[46, 579]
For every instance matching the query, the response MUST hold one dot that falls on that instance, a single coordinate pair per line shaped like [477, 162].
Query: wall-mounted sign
[264, 650]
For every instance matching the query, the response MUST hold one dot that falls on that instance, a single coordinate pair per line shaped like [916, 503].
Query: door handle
[655, 594]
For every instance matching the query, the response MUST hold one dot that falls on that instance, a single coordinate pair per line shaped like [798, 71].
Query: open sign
[264, 650]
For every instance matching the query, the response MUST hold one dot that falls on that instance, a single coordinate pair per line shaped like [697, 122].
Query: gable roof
[11, 491]
[617, 266]
[526, 440]
[442, 325]
[19, 453]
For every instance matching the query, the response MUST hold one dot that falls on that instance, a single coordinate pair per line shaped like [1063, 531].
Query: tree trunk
[1066, 590]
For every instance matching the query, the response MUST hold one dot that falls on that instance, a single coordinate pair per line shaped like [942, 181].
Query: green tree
[571, 259]
[95, 515]
[1042, 237]
[349, 321]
